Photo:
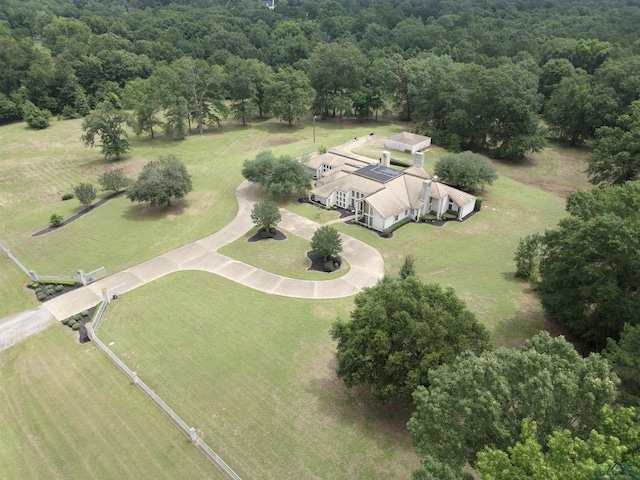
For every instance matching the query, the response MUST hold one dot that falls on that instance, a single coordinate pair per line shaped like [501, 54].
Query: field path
[367, 265]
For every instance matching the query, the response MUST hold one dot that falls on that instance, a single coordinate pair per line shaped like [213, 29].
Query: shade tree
[289, 95]
[467, 171]
[326, 243]
[480, 400]
[114, 180]
[107, 123]
[279, 176]
[160, 181]
[400, 330]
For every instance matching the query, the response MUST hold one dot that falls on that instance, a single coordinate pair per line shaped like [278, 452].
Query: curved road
[367, 266]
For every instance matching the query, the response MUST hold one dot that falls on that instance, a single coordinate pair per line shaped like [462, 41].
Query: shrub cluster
[67, 196]
[388, 232]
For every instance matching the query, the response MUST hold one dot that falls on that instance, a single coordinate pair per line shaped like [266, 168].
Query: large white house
[381, 196]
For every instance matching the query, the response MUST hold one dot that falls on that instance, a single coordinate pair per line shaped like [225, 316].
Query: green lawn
[37, 167]
[66, 411]
[283, 257]
[257, 377]
[255, 373]
[313, 212]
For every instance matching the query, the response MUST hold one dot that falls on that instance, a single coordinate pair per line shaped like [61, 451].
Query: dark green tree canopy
[616, 158]
[289, 95]
[399, 331]
[623, 356]
[481, 400]
[467, 171]
[279, 177]
[590, 264]
[266, 215]
[160, 181]
[326, 242]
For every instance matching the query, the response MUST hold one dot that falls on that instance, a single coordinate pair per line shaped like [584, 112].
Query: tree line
[473, 75]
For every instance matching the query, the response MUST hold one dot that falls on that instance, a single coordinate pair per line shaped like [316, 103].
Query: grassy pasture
[67, 412]
[37, 167]
[257, 377]
[254, 373]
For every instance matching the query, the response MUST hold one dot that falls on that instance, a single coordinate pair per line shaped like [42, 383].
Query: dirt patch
[276, 142]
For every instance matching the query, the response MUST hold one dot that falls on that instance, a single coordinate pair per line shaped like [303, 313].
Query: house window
[395, 218]
[341, 199]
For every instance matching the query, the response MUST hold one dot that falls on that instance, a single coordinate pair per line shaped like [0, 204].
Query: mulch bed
[83, 336]
[79, 214]
[262, 235]
[317, 264]
[52, 293]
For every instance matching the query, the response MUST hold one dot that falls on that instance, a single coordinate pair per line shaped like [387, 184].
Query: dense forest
[473, 74]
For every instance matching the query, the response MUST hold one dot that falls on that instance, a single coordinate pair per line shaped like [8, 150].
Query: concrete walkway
[367, 266]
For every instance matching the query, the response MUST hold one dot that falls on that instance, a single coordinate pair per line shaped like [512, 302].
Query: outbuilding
[407, 142]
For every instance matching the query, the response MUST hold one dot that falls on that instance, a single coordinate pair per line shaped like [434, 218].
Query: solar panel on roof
[379, 173]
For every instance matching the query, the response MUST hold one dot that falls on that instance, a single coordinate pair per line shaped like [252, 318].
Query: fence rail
[15, 260]
[97, 274]
[189, 431]
[57, 278]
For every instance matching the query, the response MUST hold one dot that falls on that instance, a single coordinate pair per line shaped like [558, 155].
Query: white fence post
[105, 295]
[82, 278]
[193, 435]
[33, 275]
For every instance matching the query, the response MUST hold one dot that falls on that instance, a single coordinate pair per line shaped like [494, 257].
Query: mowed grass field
[37, 167]
[257, 377]
[254, 373]
[66, 412]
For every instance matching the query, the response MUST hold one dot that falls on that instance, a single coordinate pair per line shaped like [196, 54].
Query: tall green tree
[625, 360]
[85, 193]
[108, 124]
[467, 171]
[326, 243]
[480, 400]
[400, 330]
[590, 264]
[114, 180]
[140, 96]
[266, 215]
[289, 95]
[336, 71]
[160, 181]
[616, 158]
[279, 176]
[202, 86]
[241, 86]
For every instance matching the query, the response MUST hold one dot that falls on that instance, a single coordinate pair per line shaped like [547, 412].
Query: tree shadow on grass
[356, 405]
[145, 212]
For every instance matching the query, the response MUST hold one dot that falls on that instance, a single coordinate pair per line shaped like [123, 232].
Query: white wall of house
[404, 147]
[465, 210]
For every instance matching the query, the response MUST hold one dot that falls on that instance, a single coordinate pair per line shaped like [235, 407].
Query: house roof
[408, 138]
[460, 198]
[336, 160]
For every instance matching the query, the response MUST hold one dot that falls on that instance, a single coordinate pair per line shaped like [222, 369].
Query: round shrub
[41, 296]
[75, 326]
[66, 321]
[84, 313]
[56, 220]
[478, 205]
[67, 196]
[58, 288]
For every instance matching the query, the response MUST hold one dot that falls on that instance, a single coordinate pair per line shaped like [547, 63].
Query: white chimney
[418, 159]
[385, 161]
[426, 191]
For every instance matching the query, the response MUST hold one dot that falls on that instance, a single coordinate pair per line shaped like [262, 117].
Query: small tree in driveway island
[160, 181]
[266, 215]
[327, 244]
